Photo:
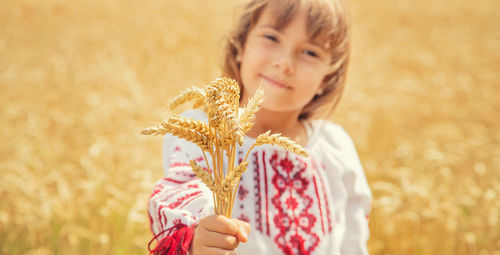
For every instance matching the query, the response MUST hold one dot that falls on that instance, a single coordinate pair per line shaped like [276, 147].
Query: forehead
[320, 17]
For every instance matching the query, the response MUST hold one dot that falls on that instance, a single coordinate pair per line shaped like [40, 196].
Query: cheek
[310, 79]
[304, 98]
[310, 84]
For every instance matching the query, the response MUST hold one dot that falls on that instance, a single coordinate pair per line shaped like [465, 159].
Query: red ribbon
[176, 242]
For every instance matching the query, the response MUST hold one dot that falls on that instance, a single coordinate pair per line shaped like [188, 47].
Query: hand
[217, 234]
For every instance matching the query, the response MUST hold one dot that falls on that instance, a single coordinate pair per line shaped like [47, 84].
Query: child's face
[290, 66]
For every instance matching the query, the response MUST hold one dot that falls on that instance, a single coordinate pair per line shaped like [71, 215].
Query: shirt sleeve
[179, 199]
[359, 200]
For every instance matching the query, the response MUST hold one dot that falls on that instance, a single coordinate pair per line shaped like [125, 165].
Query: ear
[320, 89]
[238, 58]
[319, 92]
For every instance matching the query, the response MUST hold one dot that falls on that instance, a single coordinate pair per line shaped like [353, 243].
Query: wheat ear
[230, 117]
[283, 142]
[227, 88]
[234, 176]
[181, 132]
[204, 176]
[247, 117]
[200, 103]
[196, 125]
[186, 95]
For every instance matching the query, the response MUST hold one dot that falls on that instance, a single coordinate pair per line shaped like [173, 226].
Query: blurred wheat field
[79, 79]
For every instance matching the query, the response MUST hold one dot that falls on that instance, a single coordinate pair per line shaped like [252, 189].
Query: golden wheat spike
[283, 142]
[181, 132]
[200, 103]
[214, 119]
[225, 85]
[247, 117]
[196, 125]
[204, 176]
[212, 98]
[186, 95]
[233, 177]
[228, 116]
[227, 89]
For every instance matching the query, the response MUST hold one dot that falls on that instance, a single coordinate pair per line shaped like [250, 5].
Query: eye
[311, 53]
[271, 38]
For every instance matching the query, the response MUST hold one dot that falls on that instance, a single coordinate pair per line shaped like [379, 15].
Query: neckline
[307, 126]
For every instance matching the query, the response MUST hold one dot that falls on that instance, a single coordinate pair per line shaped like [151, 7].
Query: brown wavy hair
[327, 21]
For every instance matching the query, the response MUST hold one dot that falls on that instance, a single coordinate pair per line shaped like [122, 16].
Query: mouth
[275, 83]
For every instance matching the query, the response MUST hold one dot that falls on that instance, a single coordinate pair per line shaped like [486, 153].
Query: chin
[280, 108]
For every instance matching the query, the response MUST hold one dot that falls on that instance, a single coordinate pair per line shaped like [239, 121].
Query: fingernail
[243, 233]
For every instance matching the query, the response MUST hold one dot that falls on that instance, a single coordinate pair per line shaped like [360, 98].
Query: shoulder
[334, 145]
[332, 134]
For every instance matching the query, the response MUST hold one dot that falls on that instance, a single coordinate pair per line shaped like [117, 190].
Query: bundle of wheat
[225, 129]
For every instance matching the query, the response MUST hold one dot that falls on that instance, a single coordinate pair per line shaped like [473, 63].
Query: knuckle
[208, 218]
[203, 221]
[230, 241]
[231, 227]
[220, 218]
[228, 226]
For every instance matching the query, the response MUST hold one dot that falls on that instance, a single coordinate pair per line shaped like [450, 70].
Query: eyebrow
[308, 41]
[266, 26]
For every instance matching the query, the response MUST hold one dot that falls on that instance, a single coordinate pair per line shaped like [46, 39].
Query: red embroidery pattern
[293, 219]
[244, 218]
[319, 202]
[157, 189]
[325, 198]
[182, 199]
[242, 192]
[258, 202]
[175, 181]
[176, 164]
[266, 199]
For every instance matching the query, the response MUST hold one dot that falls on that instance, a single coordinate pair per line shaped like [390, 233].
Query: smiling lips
[275, 83]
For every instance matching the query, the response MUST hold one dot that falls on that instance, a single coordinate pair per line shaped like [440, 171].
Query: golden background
[79, 79]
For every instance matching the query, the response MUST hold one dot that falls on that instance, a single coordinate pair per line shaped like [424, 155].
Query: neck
[286, 123]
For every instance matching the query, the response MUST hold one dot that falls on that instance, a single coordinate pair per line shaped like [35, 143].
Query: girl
[298, 51]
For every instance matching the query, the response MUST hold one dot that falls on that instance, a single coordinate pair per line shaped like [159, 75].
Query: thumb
[244, 230]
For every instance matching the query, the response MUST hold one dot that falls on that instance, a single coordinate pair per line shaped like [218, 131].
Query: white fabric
[295, 205]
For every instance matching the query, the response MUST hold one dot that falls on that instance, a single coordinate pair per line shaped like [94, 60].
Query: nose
[283, 61]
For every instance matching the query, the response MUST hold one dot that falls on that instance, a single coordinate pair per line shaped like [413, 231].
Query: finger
[244, 230]
[205, 250]
[219, 223]
[216, 239]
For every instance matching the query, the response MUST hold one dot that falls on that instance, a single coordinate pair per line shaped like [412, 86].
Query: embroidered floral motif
[293, 220]
[180, 200]
[243, 217]
[258, 207]
[242, 192]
